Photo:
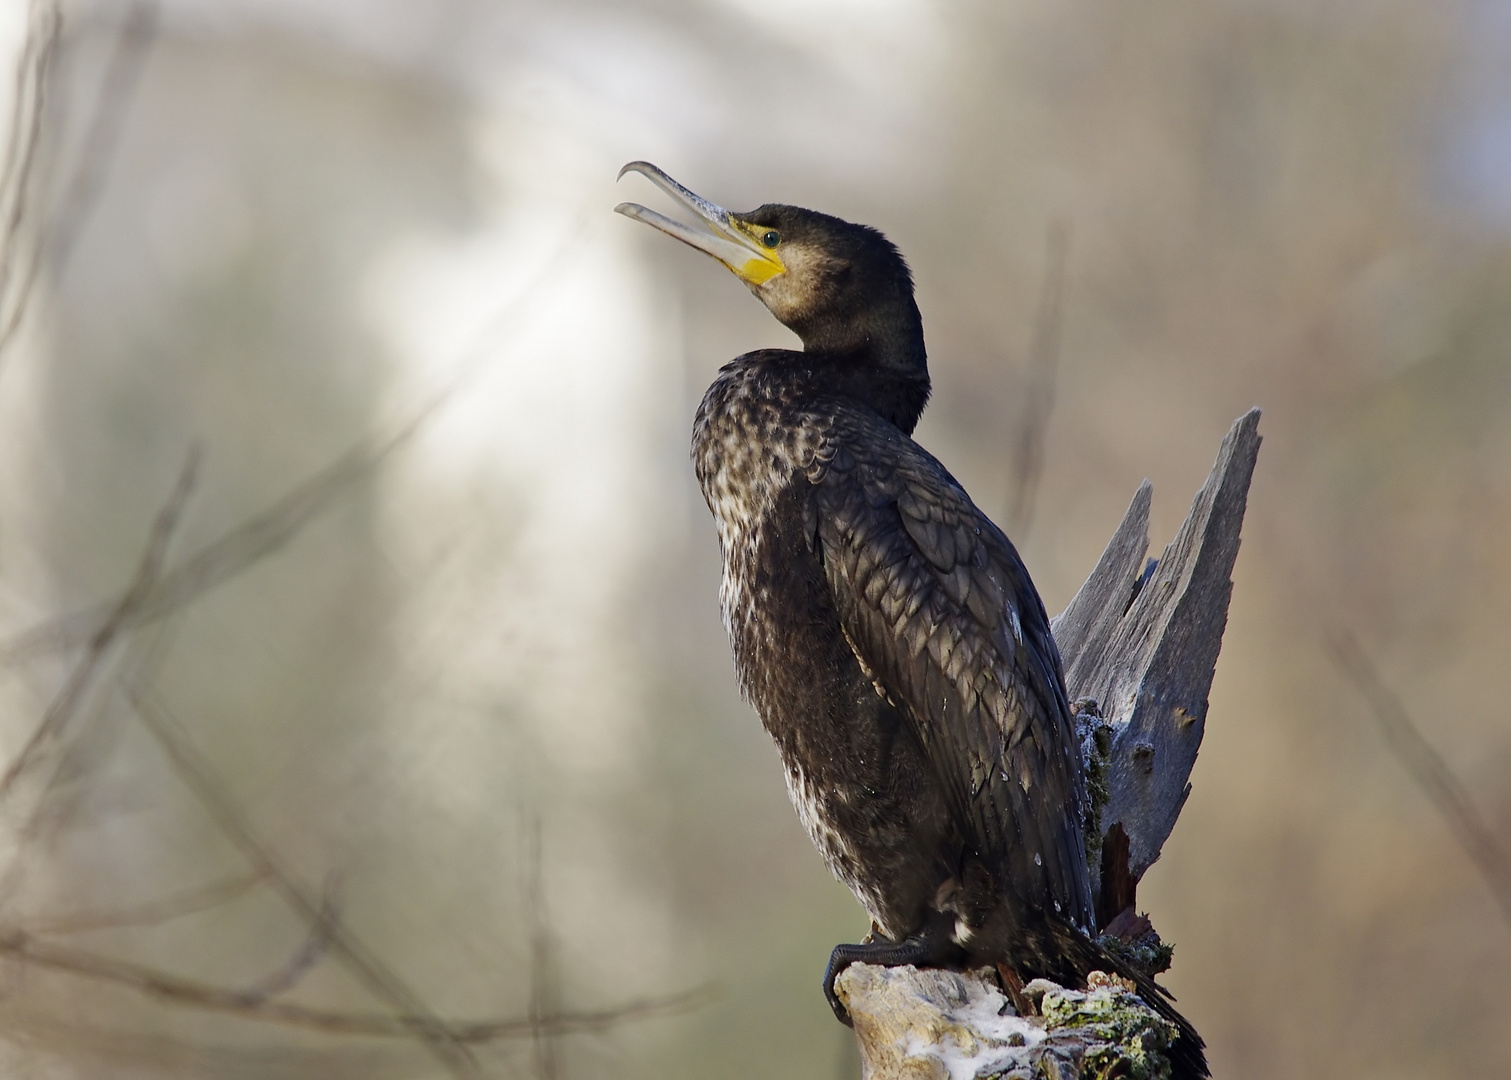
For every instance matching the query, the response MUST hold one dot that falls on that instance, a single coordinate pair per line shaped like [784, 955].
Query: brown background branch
[1039, 392]
[23, 947]
[60, 712]
[151, 912]
[1425, 766]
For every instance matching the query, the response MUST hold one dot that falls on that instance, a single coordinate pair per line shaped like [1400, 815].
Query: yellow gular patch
[759, 271]
[765, 264]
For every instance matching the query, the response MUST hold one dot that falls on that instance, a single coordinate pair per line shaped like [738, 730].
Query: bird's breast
[856, 776]
[750, 447]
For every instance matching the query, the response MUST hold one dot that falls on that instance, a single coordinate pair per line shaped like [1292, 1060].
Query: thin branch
[543, 1050]
[199, 777]
[266, 533]
[144, 652]
[1426, 766]
[153, 912]
[1039, 398]
[44, 25]
[577, 1023]
[305, 957]
[117, 90]
[218, 562]
[46, 818]
[22, 114]
[156, 595]
[21, 946]
[60, 711]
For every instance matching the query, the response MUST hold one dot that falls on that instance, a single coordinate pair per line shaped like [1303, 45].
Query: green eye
[772, 238]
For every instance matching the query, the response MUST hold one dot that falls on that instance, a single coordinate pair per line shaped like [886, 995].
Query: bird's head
[843, 288]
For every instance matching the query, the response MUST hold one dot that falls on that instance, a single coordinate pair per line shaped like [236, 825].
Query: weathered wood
[1151, 667]
[1083, 630]
[1143, 640]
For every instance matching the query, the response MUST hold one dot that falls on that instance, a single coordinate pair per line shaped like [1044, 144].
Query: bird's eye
[772, 238]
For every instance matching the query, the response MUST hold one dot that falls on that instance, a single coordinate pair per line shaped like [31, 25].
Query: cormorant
[885, 630]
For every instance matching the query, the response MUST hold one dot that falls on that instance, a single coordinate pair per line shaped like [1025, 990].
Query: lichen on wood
[925, 1024]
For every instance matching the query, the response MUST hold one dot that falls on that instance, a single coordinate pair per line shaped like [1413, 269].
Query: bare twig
[266, 533]
[107, 118]
[23, 947]
[23, 119]
[49, 813]
[154, 595]
[223, 559]
[111, 106]
[1426, 766]
[44, 24]
[120, 618]
[153, 912]
[200, 778]
[543, 1050]
[305, 957]
[1039, 397]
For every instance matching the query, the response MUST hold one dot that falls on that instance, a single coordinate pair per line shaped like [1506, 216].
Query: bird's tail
[1081, 956]
[1045, 947]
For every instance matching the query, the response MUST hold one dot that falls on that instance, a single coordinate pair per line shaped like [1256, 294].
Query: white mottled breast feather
[742, 477]
[746, 456]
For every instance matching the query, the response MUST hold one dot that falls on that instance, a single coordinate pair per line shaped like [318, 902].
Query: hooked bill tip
[635, 166]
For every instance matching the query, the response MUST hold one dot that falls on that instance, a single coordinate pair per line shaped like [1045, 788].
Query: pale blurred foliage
[320, 213]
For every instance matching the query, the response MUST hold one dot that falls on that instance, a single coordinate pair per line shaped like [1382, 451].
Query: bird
[885, 630]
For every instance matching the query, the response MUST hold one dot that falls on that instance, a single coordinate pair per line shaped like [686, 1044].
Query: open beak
[717, 232]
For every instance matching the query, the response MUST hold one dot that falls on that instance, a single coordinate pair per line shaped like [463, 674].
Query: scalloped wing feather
[936, 603]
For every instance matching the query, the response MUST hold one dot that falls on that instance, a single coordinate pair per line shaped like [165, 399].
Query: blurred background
[415, 698]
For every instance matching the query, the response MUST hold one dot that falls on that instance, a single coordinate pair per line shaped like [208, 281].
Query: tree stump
[1139, 643]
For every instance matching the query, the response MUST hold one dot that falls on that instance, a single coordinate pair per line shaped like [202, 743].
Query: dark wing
[939, 608]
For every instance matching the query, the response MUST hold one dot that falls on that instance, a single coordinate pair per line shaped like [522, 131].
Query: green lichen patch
[1095, 735]
[1124, 1038]
[1146, 954]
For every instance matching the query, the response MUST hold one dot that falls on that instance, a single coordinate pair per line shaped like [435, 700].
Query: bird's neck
[878, 357]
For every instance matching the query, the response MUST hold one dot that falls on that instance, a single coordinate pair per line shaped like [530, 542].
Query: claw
[841, 958]
[928, 949]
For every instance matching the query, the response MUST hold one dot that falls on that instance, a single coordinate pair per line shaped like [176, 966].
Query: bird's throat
[883, 364]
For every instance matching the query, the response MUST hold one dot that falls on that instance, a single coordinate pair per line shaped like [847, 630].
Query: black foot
[932, 948]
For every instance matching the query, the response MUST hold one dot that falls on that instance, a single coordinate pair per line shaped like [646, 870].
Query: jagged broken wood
[1142, 640]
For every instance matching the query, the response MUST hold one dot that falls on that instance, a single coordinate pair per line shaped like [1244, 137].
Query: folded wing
[939, 608]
